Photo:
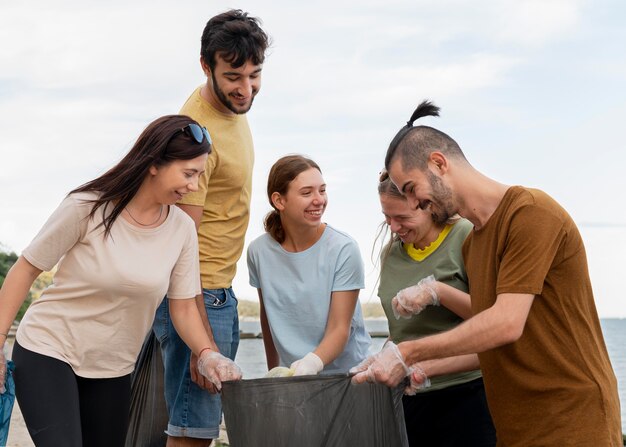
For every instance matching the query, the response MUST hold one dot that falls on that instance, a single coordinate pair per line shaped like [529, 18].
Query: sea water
[251, 354]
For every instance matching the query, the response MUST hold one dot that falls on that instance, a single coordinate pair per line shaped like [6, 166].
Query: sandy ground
[19, 437]
[18, 433]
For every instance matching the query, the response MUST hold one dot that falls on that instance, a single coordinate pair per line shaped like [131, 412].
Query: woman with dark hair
[120, 247]
[423, 290]
[308, 276]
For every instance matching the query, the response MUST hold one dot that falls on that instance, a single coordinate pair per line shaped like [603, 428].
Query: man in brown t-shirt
[547, 373]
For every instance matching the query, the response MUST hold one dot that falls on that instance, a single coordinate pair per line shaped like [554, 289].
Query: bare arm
[195, 212]
[271, 355]
[501, 324]
[188, 324]
[450, 365]
[342, 306]
[14, 291]
[211, 365]
[454, 299]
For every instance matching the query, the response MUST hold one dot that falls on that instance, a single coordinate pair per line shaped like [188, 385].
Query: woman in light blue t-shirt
[308, 276]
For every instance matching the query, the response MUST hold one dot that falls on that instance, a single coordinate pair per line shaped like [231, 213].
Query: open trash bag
[6, 404]
[148, 411]
[315, 411]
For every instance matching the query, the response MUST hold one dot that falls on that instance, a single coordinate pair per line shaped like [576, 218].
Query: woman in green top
[423, 290]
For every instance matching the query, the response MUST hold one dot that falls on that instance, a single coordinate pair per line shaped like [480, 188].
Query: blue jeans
[194, 412]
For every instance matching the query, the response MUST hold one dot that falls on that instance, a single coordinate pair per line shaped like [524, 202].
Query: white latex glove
[418, 380]
[217, 368]
[308, 365]
[386, 366]
[414, 299]
[3, 370]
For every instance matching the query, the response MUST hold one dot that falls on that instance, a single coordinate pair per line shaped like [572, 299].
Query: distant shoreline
[253, 318]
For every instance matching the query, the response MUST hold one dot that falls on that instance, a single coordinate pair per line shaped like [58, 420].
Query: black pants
[455, 416]
[63, 409]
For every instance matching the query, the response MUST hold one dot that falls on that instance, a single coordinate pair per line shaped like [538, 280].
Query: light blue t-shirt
[297, 289]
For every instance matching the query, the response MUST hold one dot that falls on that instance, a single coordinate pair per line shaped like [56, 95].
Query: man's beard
[442, 200]
[224, 99]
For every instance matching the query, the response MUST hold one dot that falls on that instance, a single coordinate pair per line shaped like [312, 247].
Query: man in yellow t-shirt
[546, 369]
[232, 56]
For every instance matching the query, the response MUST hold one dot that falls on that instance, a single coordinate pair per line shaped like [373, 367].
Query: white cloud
[80, 79]
[535, 22]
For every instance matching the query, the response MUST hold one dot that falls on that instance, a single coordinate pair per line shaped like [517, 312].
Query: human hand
[414, 299]
[310, 364]
[386, 366]
[217, 368]
[418, 380]
[3, 370]
[198, 378]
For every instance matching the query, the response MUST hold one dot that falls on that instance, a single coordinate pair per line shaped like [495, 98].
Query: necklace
[143, 224]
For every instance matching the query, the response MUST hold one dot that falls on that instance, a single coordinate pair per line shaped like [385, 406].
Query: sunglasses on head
[384, 175]
[197, 132]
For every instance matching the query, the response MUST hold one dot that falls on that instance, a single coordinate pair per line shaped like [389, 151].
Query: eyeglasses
[197, 132]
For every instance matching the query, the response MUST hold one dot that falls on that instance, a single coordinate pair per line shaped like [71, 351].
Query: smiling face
[232, 90]
[171, 181]
[305, 201]
[413, 226]
[424, 190]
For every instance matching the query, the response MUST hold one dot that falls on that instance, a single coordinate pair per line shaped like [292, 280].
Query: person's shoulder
[82, 201]
[393, 250]
[522, 196]
[340, 240]
[192, 103]
[260, 242]
[339, 235]
[536, 198]
[199, 109]
[83, 196]
[182, 219]
[535, 208]
[462, 226]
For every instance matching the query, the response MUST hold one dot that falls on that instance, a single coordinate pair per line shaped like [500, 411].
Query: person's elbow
[511, 329]
[511, 312]
[340, 335]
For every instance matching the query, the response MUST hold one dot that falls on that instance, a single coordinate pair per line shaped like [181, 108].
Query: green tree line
[250, 309]
[7, 259]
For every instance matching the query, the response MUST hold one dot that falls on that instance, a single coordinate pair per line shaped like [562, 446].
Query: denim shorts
[194, 412]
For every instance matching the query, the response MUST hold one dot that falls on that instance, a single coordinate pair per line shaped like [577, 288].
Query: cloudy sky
[533, 91]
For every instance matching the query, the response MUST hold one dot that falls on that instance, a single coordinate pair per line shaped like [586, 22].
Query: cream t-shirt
[101, 304]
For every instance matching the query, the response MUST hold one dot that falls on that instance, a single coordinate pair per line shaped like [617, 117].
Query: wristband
[202, 350]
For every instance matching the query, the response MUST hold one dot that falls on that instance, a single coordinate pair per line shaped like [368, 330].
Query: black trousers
[63, 409]
[455, 416]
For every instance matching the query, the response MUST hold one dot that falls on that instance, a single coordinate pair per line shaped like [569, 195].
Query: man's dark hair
[415, 144]
[236, 37]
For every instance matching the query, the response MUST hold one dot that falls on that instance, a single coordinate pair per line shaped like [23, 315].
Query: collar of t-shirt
[418, 254]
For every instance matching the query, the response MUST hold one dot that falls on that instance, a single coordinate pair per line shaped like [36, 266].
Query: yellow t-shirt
[224, 191]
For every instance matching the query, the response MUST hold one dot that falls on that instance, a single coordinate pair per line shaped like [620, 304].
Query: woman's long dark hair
[164, 140]
[283, 172]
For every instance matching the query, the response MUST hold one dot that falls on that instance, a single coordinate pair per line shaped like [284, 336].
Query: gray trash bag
[312, 411]
[148, 411]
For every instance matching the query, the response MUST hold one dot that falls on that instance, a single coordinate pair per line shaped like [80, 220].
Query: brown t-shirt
[554, 386]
